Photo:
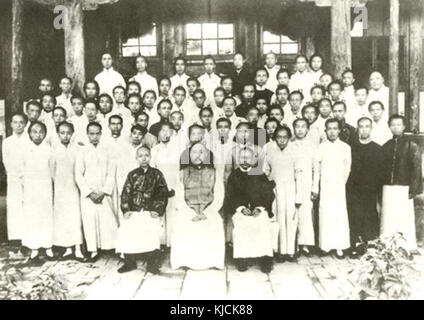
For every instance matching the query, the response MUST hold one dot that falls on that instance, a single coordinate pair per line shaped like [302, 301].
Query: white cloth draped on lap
[201, 244]
[139, 233]
[252, 236]
[398, 214]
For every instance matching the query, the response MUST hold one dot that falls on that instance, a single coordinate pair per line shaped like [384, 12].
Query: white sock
[49, 253]
[339, 252]
[93, 254]
[34, 253]
[68, 252]
[78, 252]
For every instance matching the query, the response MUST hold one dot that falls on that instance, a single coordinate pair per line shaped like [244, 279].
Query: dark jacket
[265, 94]
[155, 128]
[348, 133]
[243, 108]
[145, 190]
[249, 190]
[240, 79]
[402, 164]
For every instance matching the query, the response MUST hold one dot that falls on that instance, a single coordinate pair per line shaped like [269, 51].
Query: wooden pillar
[74, 43]
[341, 48]
[169, 45]
[394, 56]
[309, 46]
[415, 63]
[14, 101]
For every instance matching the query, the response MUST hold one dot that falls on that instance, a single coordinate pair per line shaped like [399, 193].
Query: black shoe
[266, 268]
[127, 267]
[153, 270]
[338, 256]
[281, 258]
[291, 258]
[304, 252]
[242, 266]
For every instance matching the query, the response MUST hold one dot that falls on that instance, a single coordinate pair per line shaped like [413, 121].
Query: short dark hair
[205, 109]
[107, 96]
[94, 124]
[48, 94]
[318, 87]
[299, 120]
[209, 57]
[119, 87]
[376, 102]
[282, 128]
[315, 55]
[332, 120]
[164, 101]
[324, 99]
[180, 88]
[134, 95]
[362, 119]
[335, 82]
[193, 79]
[275, 107]
[93, 101]
[22, 115]
[396, 117]
[33, 103]
[141, 113]
[140, 128]
[219, 89]
[282, 87]
[80, 98]
[262, 69]
[180, 58]
[149, 91]
[116, 116]
[41, 124]
[199, 91]
[230, 98]
[223, 120]
[226, 78]
[134, 83]
[94, 82]
[283, 71]
[301, 56]
[60, 108]
[164, 78]
[194, 126]
[339, 102]
[66, 124]
[296, 92]
[272, 120]
[348, 71]
[307, 107]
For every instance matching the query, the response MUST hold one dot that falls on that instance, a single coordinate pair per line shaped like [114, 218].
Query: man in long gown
[248, 201]
[402, 179]
[280, 165]
[364, 187]
[307, 158]
[67, 223]
[335, 161]
[166, 158]
[143, 201]
[95, 171]
[198, 240]
[13, 151]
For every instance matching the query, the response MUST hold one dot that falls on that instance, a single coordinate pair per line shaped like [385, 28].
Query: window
[146, 45]
[209, 39]
[357, 30]
[279, 44]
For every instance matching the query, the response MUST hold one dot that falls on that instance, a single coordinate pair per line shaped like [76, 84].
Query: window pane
[193, 31]
[270, 37]
[131, 42]
[210, 30]
[285, 39]
[271, 48]
[358, 29]
[194, 47]
[225, 31]
[289, 48]
[210, 47]
[149, 51]
[149, 38]
[226, 47]
[130, 51]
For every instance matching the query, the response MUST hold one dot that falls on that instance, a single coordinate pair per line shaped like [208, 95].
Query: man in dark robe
[402, 182]
[248, 201]
[240, 74]
[247, 100]
[364, 187]
[347, 132]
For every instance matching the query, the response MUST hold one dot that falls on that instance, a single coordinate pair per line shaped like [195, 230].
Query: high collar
[108, 70]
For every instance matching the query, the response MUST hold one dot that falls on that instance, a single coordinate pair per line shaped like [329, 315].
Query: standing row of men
[311, 148]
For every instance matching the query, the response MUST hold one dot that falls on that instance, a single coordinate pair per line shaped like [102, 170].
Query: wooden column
[168, 49]
[394, 56]
[74, 43]
[415, 63]
[341, 48]
[14, 101]
[309, 46]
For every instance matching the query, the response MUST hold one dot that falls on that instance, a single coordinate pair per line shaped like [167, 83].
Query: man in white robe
[179, 79]
[280, 165]
[379, 92]
[108, 79]
[38, 193]
[380, 133]
[302, 80]
[146, 81]
[166, 158]
[67, 221]
[64, 99]
[13, 151]
[95, 172]
[307, 158]
[209, 81]
[272, 67]
[335, 159]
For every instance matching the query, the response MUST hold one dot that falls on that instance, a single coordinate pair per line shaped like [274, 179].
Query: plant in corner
[385, 271]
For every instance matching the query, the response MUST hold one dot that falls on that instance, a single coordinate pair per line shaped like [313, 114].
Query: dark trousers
[264, 261]
[153, 259]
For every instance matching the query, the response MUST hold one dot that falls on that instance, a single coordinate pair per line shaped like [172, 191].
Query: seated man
[143, 199]
[250, 209]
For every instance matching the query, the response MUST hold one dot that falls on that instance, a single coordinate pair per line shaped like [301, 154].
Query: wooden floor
[310, 278]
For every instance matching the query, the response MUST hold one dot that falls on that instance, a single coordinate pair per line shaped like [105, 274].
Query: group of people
[264, 166]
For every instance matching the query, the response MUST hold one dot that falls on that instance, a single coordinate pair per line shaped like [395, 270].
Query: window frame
[283, 56]
[217, 57]
[158, 45]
